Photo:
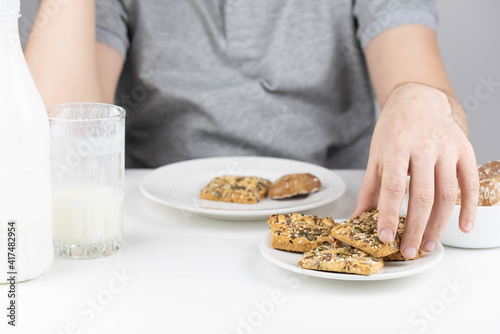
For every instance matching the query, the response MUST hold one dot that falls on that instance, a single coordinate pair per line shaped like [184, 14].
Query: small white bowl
[485, 234]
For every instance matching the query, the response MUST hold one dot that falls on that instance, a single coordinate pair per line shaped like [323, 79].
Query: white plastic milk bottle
[26, 247]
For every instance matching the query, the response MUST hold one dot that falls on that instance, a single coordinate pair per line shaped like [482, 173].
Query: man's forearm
[406, 55]
[61, 52]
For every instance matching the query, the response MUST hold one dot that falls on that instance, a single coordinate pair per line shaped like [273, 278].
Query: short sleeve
[112, 25]
[376, 16]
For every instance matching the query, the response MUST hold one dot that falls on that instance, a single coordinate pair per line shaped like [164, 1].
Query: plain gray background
[469, 36]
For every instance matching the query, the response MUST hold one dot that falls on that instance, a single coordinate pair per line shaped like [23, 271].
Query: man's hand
[422, 132]
[417, 135]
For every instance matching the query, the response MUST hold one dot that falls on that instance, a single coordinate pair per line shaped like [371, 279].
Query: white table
[189, 274]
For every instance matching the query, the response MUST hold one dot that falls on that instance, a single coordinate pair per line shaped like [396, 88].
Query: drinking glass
[87, 163]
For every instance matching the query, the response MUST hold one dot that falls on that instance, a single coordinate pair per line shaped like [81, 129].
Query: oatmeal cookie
[294, 184]
[489, 184]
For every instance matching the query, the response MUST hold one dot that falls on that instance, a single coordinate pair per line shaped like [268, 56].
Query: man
[287, 78]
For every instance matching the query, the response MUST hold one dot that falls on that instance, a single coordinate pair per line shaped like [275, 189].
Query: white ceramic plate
[393, 269]
[178, 185]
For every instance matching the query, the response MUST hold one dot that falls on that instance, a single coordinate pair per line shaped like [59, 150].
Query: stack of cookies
[321, 240]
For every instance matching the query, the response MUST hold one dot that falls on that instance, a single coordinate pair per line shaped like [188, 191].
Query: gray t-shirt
[282, 78]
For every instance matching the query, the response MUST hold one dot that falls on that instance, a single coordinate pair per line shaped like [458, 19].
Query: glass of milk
[87, 163]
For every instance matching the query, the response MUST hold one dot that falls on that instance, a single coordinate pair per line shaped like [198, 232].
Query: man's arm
[410, 54]
[64, 58]
[421, 132]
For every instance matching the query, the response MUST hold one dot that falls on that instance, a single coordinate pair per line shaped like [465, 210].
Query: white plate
[178, 185]
[392, 269]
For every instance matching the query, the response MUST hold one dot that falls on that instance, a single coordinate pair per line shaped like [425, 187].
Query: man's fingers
[468, 179]
[444, 201]
[392, 191]
[370, 188]
[419, 207]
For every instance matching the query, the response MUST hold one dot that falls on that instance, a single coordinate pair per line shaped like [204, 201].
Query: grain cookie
[361, 232]
[343, 260]
[299, 233]
[237, 189]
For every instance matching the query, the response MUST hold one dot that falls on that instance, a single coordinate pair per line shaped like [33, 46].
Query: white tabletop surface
[189, 274]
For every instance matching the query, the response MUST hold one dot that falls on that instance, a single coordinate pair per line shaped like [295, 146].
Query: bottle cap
[10, 6]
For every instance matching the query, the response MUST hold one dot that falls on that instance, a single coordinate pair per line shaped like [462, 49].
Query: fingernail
[410, 252]
[468, 226]
[386, 235]
[429, 246]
